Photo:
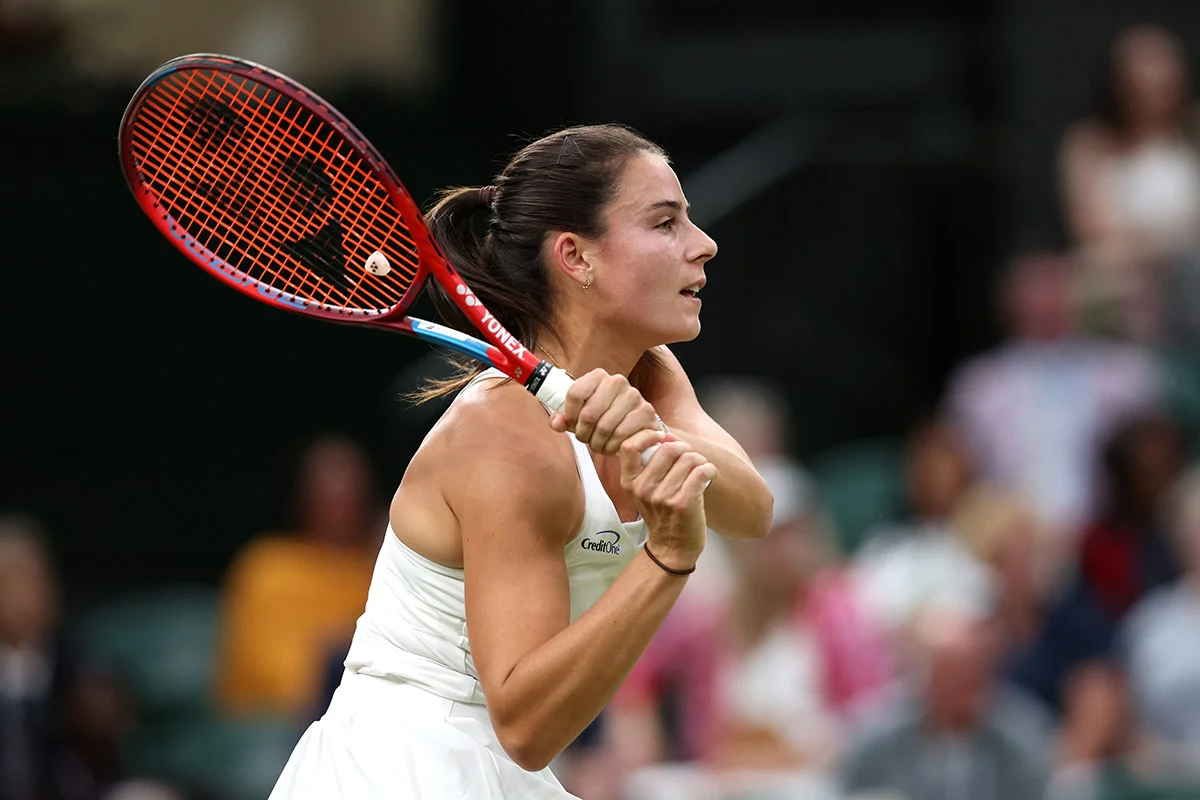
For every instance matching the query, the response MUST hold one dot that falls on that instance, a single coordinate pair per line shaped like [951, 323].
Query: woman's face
[939, 473]
[1150, 74]
[335, 493]
[648, 267]
[1157, 460]
[28, 601]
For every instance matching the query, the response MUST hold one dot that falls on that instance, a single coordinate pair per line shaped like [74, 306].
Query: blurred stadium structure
[869, 169]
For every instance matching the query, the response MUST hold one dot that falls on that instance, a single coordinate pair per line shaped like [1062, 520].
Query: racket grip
[553, 391]
[649, 451]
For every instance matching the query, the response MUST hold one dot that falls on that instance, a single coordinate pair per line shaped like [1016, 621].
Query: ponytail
[453, 224]
[510, 281]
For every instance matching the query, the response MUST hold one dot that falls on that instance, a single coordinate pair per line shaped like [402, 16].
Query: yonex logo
[603, 545]
[511, 344]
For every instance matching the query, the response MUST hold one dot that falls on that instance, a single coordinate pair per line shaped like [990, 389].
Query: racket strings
[274, 232]
[271, 190]
[253, 214]
[194, 169]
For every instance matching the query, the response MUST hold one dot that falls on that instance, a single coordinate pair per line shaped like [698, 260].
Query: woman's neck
[1148, 130]
[581, 349]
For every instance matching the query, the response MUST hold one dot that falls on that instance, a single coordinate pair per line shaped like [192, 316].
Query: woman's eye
[666, 224]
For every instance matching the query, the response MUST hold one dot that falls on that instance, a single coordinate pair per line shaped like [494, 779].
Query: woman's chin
[685, 333]
[684, 330]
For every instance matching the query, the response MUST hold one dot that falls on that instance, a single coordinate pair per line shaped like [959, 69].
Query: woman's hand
[603, 411]
[669, 491]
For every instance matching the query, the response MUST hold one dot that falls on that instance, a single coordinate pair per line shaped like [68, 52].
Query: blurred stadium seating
[861, 486]
[161, 645]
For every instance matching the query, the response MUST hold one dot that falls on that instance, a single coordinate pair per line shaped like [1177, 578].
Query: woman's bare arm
[740, 504]
[517, 501]
[1082, 158]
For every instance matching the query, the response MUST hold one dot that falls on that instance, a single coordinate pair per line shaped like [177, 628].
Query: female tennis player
[531, 557]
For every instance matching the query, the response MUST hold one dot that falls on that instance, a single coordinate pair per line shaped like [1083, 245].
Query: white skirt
[390, 740]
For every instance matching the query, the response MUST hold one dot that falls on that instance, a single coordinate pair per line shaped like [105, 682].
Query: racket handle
[649, 451]
[553, 391]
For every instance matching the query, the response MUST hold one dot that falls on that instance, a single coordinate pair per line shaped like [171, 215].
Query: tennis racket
[270, 190]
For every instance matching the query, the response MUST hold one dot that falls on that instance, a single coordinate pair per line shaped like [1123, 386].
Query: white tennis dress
[409, 720]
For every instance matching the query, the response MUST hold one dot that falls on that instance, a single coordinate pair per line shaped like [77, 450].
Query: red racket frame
[503, 351]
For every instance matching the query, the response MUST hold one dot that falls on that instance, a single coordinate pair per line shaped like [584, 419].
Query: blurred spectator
[753, 413]
[60, 724]
[1036, 409]
[32, 679]
[1098, 733]
[1161, 645]
[958, 733]
[289, 599]
[1130, 176]
[335, 656]
[757, 416]
[754, 694]
[923, 561]
[1124, 552]
[1004, 533]
[1123, 556]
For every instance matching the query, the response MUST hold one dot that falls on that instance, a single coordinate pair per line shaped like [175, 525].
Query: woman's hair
[1123, 459]
[989, 515]
[494, 235]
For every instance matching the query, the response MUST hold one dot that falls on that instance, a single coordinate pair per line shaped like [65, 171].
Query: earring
[588, 283]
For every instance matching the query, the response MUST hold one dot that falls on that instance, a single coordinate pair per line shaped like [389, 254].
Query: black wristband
[654, 558]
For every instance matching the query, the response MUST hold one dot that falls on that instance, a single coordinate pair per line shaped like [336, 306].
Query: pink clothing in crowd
[850, 665]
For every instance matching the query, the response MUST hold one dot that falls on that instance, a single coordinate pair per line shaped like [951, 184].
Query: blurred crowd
[1018, 614]
[188, 692]
[1003, 602]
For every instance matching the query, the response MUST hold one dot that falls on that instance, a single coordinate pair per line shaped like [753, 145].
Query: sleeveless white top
[1156, 189]
[414, 628]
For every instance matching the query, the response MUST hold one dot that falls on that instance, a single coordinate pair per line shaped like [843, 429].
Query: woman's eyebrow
[673, 204]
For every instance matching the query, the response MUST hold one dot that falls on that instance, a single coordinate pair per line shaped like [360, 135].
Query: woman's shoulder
[495, 424]
[493, 411]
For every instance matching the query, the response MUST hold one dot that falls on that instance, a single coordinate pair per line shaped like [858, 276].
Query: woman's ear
[571, 255]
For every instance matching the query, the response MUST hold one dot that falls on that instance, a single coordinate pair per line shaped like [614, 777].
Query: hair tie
[670, 570]
[486, 195]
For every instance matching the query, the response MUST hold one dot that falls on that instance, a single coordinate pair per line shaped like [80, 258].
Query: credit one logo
[602, 543]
